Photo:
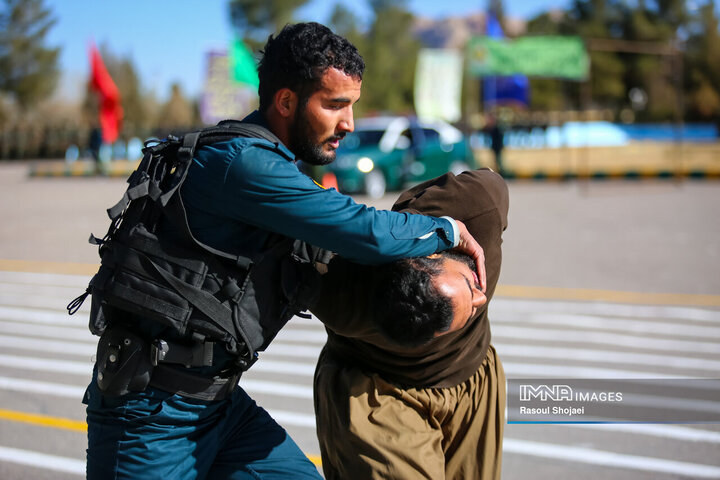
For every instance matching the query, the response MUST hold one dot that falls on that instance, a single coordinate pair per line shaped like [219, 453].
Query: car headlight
[365, 164]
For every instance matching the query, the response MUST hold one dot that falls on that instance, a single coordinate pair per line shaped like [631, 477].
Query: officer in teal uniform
[237, 195]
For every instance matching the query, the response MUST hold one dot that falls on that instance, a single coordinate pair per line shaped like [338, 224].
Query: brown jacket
[477, 198]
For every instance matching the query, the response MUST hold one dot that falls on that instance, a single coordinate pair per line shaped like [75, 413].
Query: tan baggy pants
[371, 429]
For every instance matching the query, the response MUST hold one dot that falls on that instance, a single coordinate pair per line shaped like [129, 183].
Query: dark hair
[408, 308]
[298, 56]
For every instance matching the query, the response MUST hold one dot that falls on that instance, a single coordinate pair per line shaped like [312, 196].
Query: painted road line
[70, 465]
[514, 369]
[42, 460]
[59, 278]
[49, 268]
[43, 420]
[280, 349]
[674, 432]
[56, 291]
[42, 316]
[67, 367]
[536, 370]
[636, 342]
[625, 325]
[276, 388]
[85, 368]
[318, 336]
[58, 332]
[49, 346]
[307, 370]
[610, 459]
[45, 388]
[513, 291]
[500, 317]
[612, 296]
[295, 419]
[654, 312]
[291, 368]
[522, 447]
[36, 301]
[280, 389]
[525, 352]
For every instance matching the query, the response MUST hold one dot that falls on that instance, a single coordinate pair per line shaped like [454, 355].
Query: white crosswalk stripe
[46, 360]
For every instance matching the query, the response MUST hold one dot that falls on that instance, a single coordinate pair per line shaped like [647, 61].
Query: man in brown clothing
[408, 385]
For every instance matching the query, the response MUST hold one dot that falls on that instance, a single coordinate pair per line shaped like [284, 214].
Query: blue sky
[167, 39]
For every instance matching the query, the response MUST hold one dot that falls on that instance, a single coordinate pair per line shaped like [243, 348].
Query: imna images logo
[560, 393]
[554, 393]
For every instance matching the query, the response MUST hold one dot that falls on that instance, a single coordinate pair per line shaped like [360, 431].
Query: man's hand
[469, 246]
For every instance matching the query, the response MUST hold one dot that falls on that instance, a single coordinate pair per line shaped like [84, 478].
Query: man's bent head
[418, 299]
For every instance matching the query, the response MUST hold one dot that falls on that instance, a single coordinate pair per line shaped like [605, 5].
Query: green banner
[242, 64]
[541, 56]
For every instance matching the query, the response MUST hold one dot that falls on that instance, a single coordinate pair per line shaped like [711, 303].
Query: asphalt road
[570, 251]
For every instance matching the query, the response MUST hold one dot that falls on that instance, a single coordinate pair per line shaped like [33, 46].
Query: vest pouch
[137, 284]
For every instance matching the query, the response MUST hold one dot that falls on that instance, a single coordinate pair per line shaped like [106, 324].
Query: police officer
[237, 196]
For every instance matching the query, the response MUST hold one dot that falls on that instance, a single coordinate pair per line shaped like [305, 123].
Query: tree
[254, 20]
[344, 22]
[390, 50]
[28, 68]
[177, 112]
[703, 64]
[547, 93]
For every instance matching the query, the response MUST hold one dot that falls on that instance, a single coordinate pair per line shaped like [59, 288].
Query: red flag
[111, 112]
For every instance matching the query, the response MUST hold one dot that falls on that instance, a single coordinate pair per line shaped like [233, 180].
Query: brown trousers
[371, 429]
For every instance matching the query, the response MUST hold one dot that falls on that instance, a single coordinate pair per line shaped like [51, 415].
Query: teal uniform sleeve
[264, 189]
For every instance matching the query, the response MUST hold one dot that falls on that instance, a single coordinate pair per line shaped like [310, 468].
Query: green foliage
[657, 25]
[178, 113]
[28, 68]
[254, 20]
[390, 51]
[703, 64]
[344, 22]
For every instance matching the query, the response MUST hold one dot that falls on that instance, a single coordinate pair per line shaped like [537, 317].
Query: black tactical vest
[154, 268]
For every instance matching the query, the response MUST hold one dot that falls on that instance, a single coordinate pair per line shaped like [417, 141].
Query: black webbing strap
[184, 155]
[176, 213]
[172, 201]
[139, 182]
[199, 354]
[130, 194]
[246, 129]
[175, 380]
[217, 313]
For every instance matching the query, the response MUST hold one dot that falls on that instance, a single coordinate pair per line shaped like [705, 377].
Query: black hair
[298, 56]
[408, 308]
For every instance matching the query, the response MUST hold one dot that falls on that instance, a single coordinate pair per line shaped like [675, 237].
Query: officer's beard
[304, 143]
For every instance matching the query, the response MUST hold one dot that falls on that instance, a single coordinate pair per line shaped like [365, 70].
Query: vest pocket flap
[144, 297]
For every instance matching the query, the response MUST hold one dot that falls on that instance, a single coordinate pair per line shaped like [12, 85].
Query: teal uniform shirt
[240, 190]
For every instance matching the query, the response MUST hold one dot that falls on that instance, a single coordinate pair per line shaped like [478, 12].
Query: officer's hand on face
[469, 246]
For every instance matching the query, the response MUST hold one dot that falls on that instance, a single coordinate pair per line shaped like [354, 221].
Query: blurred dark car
[389, 153]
